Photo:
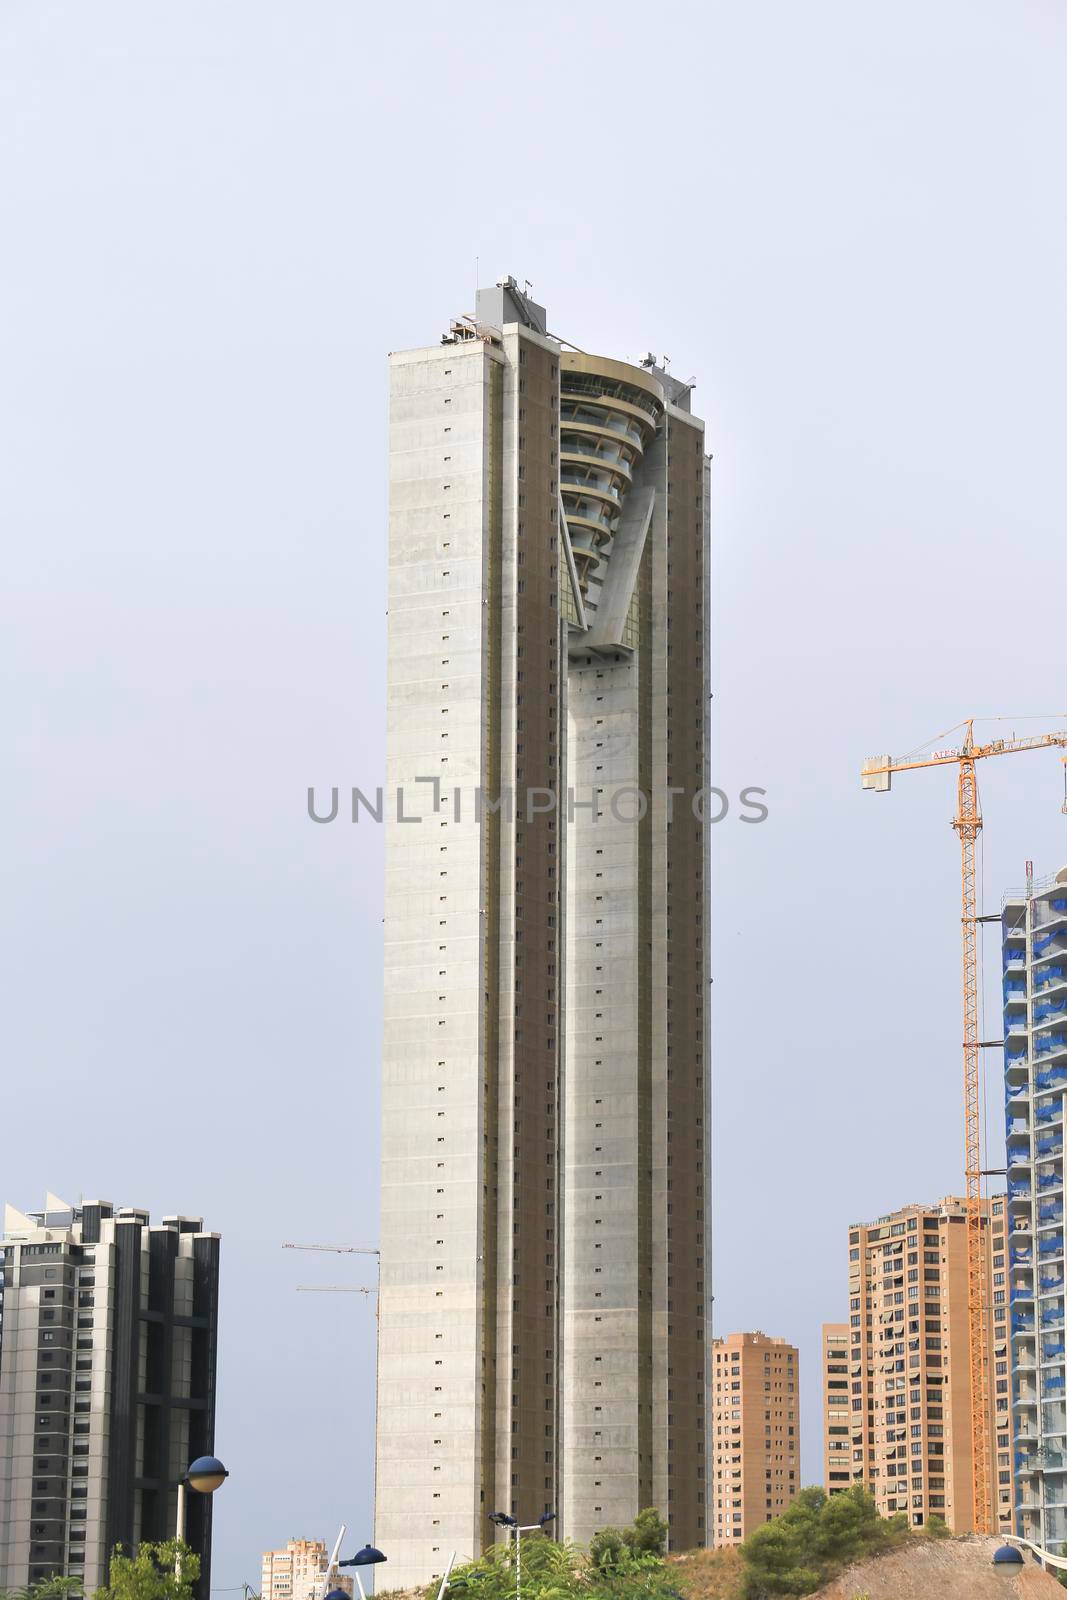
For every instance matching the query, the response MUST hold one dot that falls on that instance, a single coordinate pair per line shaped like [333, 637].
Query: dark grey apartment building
[108, 1330]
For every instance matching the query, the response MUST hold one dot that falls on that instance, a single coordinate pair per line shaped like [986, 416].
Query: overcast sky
[847, 222]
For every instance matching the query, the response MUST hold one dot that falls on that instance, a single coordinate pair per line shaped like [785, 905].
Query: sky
[847, 223]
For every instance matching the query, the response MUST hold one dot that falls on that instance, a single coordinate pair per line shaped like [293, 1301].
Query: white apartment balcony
[1051, 913]
[1016, 1090]
[1054, 1420]
[1051, 983]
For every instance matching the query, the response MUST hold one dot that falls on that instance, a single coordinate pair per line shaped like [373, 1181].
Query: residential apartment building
[837, 1410]
[545, 1243]
[107, 1386]
[1034, 929]
[298, 1572]
[755, 1432]
[908, 1366]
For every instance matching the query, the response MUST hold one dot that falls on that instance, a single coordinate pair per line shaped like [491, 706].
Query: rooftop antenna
[526, 285]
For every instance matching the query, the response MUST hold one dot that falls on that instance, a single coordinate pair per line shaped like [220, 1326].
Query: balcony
[1053, 1419]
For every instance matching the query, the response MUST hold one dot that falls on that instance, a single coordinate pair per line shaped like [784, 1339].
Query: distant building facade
[107, 1386]
[1034, 930]
[298, 1572]
[837, 1410]
[908, 1367]
[755, 1432]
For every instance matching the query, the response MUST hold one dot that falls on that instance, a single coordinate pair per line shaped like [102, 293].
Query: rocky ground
[942, 1569]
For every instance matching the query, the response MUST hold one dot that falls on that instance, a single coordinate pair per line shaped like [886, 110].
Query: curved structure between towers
[608, 416]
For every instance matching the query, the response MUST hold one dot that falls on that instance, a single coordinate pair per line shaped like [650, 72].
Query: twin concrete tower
[545, 1231]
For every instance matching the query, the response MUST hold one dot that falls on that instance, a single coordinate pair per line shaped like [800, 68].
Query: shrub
[795, 1554]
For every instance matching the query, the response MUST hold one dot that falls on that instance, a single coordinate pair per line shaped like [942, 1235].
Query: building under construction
[1035, 1078]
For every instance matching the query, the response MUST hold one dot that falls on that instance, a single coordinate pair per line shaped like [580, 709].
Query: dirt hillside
[948, 1569]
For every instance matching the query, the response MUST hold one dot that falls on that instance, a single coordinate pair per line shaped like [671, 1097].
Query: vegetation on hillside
[802, 1549]
[621, 1564]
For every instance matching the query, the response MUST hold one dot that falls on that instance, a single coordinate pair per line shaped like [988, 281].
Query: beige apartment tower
[298, 1572]
[896, 1377]
[545, 1270]
[756, 1433]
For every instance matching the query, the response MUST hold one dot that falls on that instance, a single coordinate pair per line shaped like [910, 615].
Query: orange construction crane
[877, 775]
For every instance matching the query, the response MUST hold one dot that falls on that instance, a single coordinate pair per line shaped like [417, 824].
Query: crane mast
[877, 776]
[968, 825]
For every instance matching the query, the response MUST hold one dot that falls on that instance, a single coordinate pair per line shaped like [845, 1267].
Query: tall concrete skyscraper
[107, 1386]
[545, 1270]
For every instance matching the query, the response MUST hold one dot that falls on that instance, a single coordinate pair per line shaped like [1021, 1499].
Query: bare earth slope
[941, 1569]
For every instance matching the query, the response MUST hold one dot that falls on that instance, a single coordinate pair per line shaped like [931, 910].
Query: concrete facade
[107, 1386]
[908, 1368]
[1034, 928]
[545, 1270]
[756, 1426]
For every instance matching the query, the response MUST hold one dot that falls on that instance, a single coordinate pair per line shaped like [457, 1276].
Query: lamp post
[205, 1475]
[503, 1520]
[367, 1557]
[1008, 1557]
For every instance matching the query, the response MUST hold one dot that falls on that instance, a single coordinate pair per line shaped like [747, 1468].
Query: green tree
[795, 1554]
[621, 1564]
[647, 1534]
[54, 1588]
[150, 1574]
[607, 1548]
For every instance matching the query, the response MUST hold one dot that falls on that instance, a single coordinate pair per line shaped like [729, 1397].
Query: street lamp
[1009, 1556]
[205, 1475]
[367, 1557]
[503, 1520]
